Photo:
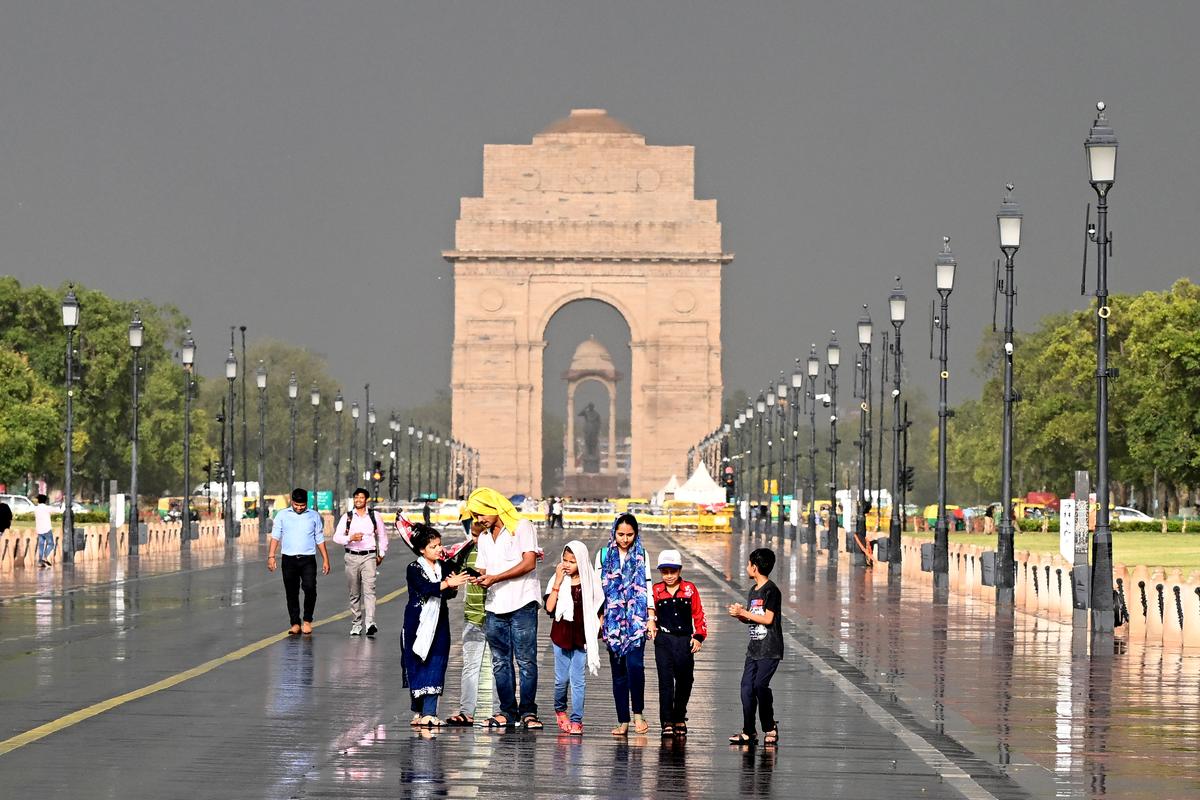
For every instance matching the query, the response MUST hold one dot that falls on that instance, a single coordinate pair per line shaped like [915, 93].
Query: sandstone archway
[587, 211]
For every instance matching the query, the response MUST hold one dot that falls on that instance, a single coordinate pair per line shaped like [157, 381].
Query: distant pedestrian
[426, 512]
[508, 556]
[557, 513]
[298, 533]
[763, 613]
[575, 633]
[426, 645]
[363, 535]
[681, 630]
[628, 619]
[44, 525]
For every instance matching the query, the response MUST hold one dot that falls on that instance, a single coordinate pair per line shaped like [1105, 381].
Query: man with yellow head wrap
[507, 563]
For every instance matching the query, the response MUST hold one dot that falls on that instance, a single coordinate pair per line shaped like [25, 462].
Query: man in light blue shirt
[299, 533]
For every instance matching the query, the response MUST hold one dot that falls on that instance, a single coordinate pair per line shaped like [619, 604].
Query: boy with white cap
[680, 635]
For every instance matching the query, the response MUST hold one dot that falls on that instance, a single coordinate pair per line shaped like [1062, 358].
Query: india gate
[588, 211]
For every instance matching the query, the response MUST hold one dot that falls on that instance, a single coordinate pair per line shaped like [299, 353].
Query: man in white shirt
[363, 535]
[45, 530]
[507, 563]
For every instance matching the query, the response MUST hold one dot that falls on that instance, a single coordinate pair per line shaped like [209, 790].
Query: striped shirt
[473, 603]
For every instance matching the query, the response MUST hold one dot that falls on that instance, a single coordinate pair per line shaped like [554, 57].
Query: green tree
[29, 418]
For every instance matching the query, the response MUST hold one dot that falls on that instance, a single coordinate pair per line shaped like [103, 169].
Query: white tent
[672, 486]
[700, 489]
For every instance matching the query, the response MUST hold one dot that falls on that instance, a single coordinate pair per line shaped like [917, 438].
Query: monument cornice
[455, 256]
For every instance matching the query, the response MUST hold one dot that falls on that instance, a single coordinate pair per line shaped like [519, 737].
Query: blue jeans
[514, 635]
[45, 545]
[629, 680]
[568, 671]
[425, 705]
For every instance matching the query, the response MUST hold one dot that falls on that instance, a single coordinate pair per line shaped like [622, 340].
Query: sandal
[681, 729]
[294, 630]
[772, 736]
[532, 723]
[460, 721]
[498, 721]
[415, 722]
[621, 730]
[639, 724]
[430, 722]
[742, 739]
[668, 730]
[563, 721]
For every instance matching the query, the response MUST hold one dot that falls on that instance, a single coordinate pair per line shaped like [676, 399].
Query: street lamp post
[354, 475]
[293, 394]
[772, 449]
[865, 333]
[760, 411]
[797, 482]
[369, 446]
[420, 461]
[1101, 146]
[813, 369]
[833, 358]
[408, 486]
[260, 380]
[1008, 222]
[897, 305]
[393, 480]
[232, 530]
[187, 355]
[70, 318]
[944, 267]
[339, 403]
[136, 332]
[435, 477]
[446, 476]
[785, 436]
[315, 398]
[245, 428]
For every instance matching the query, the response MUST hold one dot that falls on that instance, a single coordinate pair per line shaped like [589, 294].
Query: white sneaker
[356, 629]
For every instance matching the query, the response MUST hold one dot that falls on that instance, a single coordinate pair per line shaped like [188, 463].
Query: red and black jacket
[680, 614]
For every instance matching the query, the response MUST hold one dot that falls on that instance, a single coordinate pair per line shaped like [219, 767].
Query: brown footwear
[294, 630]
[306, 628]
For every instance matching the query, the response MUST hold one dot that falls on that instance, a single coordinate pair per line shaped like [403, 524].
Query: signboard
[1066, 529]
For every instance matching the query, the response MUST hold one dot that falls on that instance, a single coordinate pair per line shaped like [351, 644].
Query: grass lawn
[1166, 550]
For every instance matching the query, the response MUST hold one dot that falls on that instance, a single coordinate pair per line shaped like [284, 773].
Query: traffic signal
[908, 479]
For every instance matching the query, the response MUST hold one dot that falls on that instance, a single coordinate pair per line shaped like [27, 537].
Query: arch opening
[586, 402]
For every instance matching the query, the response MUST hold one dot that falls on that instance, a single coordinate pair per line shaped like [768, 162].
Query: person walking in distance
[45, 530]
[507, 563]
[628, 619]
[363, 535]
[298, 533]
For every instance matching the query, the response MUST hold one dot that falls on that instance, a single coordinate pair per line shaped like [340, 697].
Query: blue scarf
[625, 598]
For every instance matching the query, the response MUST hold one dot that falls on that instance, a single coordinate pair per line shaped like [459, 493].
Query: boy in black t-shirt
[762, 614]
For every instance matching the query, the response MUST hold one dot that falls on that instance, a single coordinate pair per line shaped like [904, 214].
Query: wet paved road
[865, 711]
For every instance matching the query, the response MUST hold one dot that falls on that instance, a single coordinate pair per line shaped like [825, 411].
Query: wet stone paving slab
[190, 690]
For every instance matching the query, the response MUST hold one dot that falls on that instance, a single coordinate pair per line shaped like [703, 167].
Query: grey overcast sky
[297, 165]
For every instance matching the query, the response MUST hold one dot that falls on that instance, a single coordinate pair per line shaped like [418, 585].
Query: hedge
[1153, 526]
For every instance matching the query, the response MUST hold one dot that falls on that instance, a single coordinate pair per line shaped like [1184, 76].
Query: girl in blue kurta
[427, 625]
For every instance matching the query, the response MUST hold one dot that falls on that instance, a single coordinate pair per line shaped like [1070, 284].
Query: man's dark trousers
[300, 571]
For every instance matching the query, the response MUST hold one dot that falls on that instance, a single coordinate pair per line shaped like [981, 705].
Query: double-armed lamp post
[136, 332]
[897, 305]
[1101, 148]
[944, 268]
[187, 356]
[1008, 222]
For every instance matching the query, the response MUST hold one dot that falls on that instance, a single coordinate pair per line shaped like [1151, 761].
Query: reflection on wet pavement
[1015, 702]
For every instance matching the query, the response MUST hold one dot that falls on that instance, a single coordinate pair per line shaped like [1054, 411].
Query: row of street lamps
[461, 469]
[740, 444]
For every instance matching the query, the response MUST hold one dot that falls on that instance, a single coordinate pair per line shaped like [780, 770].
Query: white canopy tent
[701, 489]
[661, 496]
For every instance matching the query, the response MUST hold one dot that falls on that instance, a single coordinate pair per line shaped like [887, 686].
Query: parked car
[1127, 514]
[19, 503]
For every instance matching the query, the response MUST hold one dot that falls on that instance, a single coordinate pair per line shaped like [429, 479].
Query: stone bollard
[1155, 604]
[1173, 609]
[1191, 613]
[1137, 600]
